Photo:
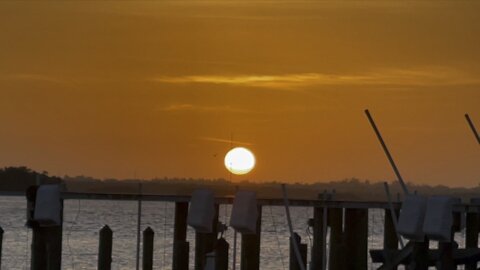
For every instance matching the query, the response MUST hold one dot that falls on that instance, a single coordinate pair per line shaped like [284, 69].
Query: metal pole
[324, 236]
[139, 223]
[292, 235]
[385, 149]
[392, 211]
[472, 126]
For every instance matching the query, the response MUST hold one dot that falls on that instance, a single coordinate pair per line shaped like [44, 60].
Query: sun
[239, 160]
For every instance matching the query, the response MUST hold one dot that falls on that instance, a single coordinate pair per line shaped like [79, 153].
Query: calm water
[84, 218]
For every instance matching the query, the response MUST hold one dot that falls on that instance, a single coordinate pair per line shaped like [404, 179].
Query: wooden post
[204, 243]
[250, 257]
[318, 241]
[1, 244]
[420, 255]
[337, 250]
[180, 246]
[471, 235]
[356, 238]
[303, 251]
[47, 246]
[147, 258]
[181, 249]
[390, 239]
[221, 255]
[105, 249]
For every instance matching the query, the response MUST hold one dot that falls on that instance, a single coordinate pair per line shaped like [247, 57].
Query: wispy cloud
[31, 77]
[423, 76]
[177, 107]
[211, 139]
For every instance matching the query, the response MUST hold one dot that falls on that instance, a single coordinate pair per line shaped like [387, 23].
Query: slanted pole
[250, 250]
[303, 252]
[180, 245]
[147, 258]
[387, 152]
[472, 126]
[105, 249]
[290, 227]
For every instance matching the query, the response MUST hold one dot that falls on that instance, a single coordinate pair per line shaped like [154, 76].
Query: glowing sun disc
[239, 160]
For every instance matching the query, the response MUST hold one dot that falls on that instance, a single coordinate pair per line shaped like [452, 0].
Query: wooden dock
[347, 221]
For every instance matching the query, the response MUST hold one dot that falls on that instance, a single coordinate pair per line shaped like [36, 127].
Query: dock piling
[180, 245]
[337, 251]
[250, 250]
[147, 258]
[1, 244]
[221, 255]
[356, 238]
[319, 242]
[105, 249]
[205, 242]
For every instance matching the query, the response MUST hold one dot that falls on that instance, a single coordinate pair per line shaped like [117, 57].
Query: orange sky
[109, 88]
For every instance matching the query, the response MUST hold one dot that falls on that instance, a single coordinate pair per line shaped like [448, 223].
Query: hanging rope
[276, 236]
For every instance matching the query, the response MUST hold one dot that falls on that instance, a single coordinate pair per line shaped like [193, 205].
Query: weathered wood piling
[347, 224]
[147, 258]
[205, 242]
[180, 245]
[105, 248]
[250, 250]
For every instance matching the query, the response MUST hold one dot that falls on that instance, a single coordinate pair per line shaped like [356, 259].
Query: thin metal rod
[292, 237]
[139, 223]
[324, 235]
[472, 126]
[385, 149]
[392, 213]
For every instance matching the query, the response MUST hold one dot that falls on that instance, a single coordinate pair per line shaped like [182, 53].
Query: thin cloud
[399, 77]
[31, 77]
[199, 108]
[219, 140]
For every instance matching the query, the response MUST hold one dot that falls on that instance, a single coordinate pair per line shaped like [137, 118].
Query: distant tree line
[19, 178]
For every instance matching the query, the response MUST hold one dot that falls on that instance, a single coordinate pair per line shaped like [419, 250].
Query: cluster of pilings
[348, 235]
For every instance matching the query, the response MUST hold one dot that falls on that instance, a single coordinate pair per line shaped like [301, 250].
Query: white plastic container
[202, 210]
[439, 218]
[244, 212]
[412, 215]
[48, 206]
